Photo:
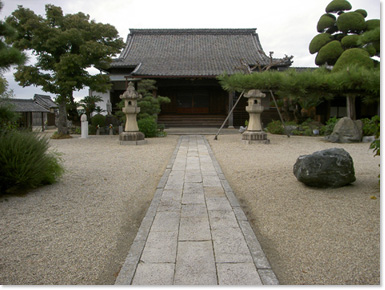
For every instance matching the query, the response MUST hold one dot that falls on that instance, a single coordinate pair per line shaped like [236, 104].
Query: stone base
[255, 137]
[132, 138]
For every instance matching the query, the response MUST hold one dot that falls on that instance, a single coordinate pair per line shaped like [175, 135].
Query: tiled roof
[45, 101]
[190, 52]
[23, 105]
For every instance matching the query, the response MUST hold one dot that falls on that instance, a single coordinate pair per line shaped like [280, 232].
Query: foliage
[310, 85]
[319, 41]
[89, 104]
[9, 55]
[354, 56]
[275, 127]
[65, 46]
[25, 161]
[148, 127]
[338, 5]
[91, 129]
[351, 22]
[329, 53]
[371, 127]
[57, 135]
[350, 41]
[8, 117]
[326, 21]
[347, 28]
[329, 127]
[98, 120]
[149, 105]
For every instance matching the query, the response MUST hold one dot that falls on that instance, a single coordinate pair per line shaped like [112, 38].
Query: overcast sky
[284, 27]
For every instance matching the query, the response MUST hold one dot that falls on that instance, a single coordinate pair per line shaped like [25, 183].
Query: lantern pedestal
[132, 138]
[254, 133]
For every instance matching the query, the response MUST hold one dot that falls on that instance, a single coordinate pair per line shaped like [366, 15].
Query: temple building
[185, 64]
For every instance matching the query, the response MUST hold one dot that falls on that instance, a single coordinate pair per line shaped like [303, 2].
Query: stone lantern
[254, 132]
[131, 134]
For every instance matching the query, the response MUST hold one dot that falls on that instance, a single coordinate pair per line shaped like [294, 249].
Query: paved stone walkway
[195, 232]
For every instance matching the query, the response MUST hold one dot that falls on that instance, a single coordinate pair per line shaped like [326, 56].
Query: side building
[185, 64]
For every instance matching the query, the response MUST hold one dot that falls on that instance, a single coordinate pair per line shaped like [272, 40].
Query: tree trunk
[351, 107]
[62, 124]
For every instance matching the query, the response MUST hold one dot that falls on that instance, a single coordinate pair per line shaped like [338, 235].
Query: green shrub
[326, 21]
[25, 161]
[362, 12]
[353, 56]
[372, 24]
[350, 41]
[329, 53]
[148, 127]
[329, 127]
[98, 119]
[371, 127]
[338, 5]
[351, 22]
[275, 127]
[91, 130]
[319, 41]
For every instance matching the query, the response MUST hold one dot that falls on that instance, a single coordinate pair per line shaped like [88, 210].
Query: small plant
[91, 129]
[98, 120]
[26, 163]
[275, 127]
[329, 127]
[371, 126]
[148, 127]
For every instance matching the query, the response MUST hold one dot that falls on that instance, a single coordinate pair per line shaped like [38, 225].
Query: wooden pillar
[231, 104]
[42, 122]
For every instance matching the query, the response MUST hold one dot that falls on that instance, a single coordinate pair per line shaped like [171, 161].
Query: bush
[326, 21]
[329, 127]
[338, 5]
[26, 163]
[319, 41]
[148, 127]
[329, 53]
[275, 127]
[98, 119]
[351, 22]
[371, 127]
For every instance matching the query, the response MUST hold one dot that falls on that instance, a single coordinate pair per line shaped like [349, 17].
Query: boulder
[346, 131]
[327, 168]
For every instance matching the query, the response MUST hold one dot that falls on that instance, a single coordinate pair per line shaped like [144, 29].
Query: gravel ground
[310, 236]
[79, 230]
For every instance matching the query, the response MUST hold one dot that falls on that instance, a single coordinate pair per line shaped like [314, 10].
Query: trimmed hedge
[354, 56]
[319, 41]
[338, 5]
[326, 21]
[148, 127]
[351, 22]
[329, 53]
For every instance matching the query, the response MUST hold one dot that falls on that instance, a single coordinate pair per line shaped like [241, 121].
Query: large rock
[327, 168]
[346, 131]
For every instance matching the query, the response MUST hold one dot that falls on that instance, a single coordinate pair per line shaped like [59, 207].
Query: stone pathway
[195, 232]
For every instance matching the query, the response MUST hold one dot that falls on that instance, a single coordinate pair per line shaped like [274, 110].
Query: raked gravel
[79, 230]
[310, 236]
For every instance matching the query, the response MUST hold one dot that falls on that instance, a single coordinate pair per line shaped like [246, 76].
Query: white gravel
[79, 230]
[310, 236]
